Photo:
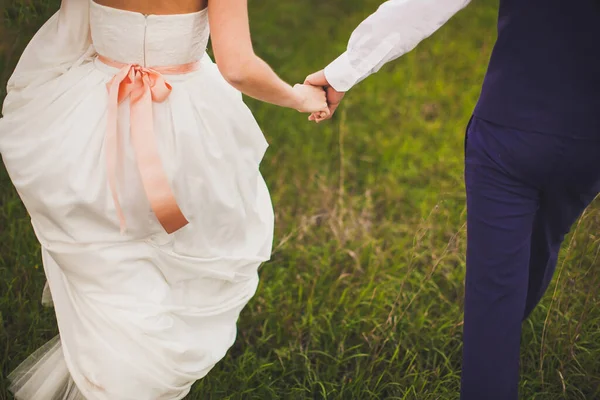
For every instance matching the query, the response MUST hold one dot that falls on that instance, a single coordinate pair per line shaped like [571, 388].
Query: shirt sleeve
[396, 28]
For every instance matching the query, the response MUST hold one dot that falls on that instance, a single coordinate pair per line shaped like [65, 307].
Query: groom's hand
[334, 98]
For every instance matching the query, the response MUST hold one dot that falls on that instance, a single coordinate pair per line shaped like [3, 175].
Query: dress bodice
[148, 40]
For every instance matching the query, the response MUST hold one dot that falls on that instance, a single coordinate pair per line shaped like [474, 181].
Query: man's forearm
[396, 28]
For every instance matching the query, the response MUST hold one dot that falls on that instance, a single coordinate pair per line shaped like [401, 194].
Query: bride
[138, 163]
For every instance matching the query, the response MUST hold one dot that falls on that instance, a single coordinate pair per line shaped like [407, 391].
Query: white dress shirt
[395, 29]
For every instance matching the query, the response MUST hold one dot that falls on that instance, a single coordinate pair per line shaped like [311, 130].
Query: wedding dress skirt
[145, 311]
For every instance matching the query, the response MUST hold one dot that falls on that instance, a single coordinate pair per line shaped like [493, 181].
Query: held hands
[311, 99]
[318, 97]
[334, 97]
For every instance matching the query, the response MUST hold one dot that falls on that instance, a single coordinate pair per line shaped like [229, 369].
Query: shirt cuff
[341, 75]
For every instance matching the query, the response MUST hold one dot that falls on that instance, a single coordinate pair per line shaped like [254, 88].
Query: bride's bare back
[158, 7]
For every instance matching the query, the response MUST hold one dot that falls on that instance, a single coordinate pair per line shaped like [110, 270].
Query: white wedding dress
[142, 314]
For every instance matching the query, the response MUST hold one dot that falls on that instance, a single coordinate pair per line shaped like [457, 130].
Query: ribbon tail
[154, 179]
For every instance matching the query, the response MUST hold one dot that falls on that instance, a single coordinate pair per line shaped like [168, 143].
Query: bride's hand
[311, 99]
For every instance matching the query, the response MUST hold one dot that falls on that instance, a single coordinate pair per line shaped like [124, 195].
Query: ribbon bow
[142, 86]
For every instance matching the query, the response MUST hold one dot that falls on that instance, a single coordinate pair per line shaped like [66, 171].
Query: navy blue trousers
[524, 192]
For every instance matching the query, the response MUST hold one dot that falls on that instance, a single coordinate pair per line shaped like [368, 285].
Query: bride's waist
[175, 72]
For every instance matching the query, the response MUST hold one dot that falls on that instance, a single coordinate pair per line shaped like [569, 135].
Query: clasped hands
[320, 112]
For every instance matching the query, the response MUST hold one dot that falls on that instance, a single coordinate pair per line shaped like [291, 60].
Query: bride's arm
[244, 70]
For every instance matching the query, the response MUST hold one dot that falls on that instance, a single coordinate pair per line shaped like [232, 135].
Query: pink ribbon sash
[143, 86]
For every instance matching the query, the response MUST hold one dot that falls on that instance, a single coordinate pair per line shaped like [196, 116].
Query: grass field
[363, 296]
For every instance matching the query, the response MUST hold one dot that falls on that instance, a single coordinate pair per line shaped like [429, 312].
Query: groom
[532, 162]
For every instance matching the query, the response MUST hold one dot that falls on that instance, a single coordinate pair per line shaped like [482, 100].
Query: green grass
[363, 296]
